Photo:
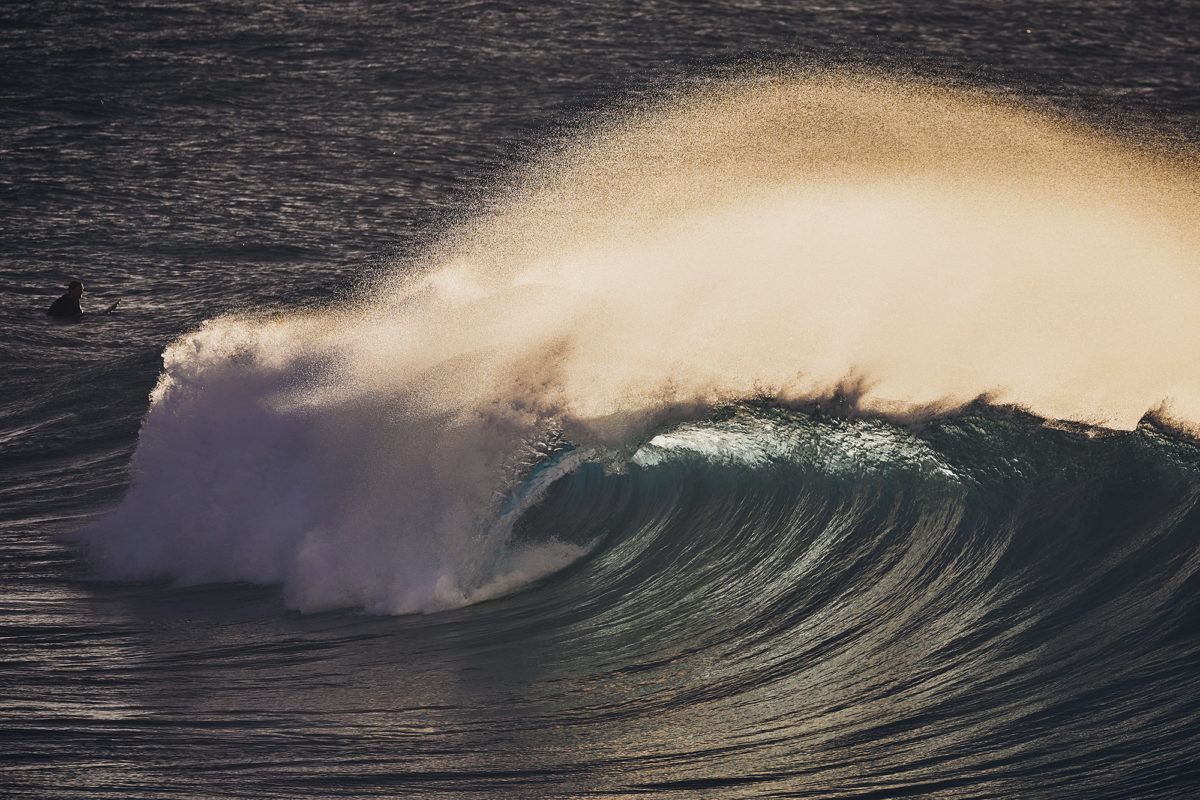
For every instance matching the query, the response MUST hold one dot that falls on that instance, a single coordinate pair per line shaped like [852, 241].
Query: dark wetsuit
[65, 306]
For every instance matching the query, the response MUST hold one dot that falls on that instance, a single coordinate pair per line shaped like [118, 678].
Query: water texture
[688, 400]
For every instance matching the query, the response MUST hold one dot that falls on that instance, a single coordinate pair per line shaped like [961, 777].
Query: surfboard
[113, 307]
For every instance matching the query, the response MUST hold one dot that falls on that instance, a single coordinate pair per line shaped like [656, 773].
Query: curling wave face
[784, 236]
[849, 601]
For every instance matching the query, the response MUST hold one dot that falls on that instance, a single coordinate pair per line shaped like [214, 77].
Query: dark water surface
[980, 608]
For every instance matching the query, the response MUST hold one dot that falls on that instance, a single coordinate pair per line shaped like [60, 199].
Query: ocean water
[690, 400]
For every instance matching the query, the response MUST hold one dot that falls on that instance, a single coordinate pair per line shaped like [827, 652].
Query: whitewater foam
[774, 236]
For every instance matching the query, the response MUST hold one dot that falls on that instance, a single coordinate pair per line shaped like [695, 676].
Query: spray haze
[778, 235]
[791, 231]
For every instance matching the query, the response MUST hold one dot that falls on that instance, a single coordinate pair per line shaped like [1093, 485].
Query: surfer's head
[75, 289]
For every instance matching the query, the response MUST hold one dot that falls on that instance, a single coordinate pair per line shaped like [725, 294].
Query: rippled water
[774, 602]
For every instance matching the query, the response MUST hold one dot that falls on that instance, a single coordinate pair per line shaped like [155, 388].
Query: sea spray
[765, 236]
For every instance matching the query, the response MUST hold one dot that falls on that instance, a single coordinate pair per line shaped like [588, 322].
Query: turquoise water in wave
[746, 600]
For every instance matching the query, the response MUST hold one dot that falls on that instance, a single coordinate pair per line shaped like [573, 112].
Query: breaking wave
[897, 249]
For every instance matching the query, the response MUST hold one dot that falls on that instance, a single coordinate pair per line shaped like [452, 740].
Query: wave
[904, 247]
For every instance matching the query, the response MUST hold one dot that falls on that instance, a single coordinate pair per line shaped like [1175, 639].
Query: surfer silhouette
[68, 304]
